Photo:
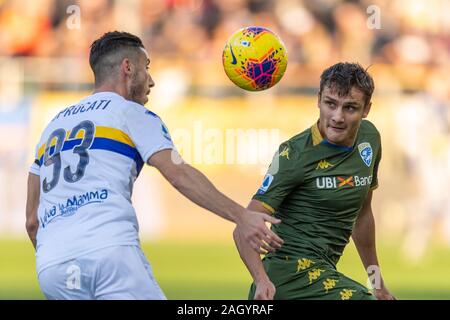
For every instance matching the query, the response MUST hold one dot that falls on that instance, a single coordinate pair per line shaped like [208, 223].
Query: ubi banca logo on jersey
[341, 182]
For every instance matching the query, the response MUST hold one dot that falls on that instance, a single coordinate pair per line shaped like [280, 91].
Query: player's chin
[144, 99]
[336, 138]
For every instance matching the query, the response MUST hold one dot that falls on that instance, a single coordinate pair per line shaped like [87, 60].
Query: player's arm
[283, 176]
[364, 238]
[197, 188]
[33, 191]
[265, 290]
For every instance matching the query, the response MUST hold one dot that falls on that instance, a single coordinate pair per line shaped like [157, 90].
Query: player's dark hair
[110, 43]
[343, 76]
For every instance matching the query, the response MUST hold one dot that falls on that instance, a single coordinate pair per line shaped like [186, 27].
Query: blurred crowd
[406, 43]
[412, 36]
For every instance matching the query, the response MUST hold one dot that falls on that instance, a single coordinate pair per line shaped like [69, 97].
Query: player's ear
[318, 99]
[367, 109]
[126, 66]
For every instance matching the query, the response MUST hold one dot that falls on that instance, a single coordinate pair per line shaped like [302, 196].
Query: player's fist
[265, 290]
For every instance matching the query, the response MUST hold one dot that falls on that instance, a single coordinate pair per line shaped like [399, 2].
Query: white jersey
[88, 158]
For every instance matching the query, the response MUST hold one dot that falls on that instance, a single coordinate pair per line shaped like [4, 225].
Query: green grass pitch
[198, 270]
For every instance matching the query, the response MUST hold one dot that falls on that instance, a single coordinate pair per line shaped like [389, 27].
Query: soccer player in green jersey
[320, 185]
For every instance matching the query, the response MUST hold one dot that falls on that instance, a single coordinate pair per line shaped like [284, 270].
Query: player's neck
[107, 87]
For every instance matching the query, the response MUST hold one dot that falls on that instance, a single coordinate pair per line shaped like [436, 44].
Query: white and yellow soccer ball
[254, 58]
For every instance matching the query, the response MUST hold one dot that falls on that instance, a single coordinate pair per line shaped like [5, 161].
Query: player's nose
[338, 115]
[151, 83]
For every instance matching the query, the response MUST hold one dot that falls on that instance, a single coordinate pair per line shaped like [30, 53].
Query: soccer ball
[254, 58]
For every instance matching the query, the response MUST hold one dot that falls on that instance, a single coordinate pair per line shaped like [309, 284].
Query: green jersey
[317, 190]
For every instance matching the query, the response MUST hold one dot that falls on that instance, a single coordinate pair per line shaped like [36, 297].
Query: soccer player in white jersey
[79, 213]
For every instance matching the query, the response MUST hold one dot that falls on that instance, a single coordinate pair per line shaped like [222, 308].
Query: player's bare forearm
[197, 188]
[32, 223]
[364, 234]
[364, 238]
[251, 259]
[265, 290]
[195, 185]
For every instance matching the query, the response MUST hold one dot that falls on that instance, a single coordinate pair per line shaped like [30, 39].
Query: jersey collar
[316, 136]
[318, 139]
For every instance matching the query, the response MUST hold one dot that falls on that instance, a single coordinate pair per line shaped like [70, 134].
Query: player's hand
[252, 227]
[265, 290]
[383, 294]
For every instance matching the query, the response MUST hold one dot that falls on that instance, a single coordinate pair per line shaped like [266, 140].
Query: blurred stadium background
[231, 135]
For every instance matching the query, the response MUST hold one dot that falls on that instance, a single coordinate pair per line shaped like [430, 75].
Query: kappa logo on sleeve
[285, 153]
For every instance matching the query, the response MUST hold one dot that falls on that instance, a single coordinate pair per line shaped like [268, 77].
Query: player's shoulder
[368, 127]
[298, 143]
[369, 130]
[138, 110]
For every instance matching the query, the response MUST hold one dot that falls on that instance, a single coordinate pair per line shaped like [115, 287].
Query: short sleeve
[283, 176]
[147, 131]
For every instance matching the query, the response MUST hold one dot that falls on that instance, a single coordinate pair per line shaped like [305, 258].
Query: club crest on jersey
[365, 151]
[266, 183]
